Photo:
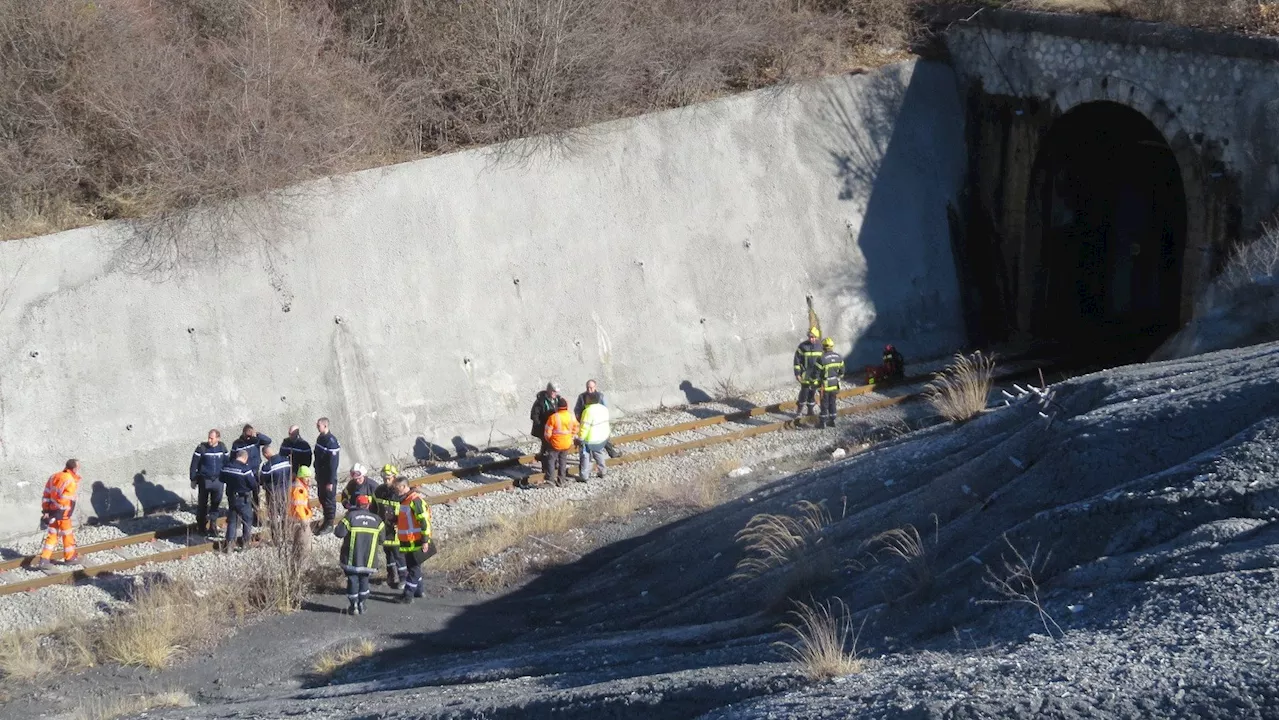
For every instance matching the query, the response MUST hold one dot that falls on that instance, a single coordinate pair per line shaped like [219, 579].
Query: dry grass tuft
[494, 556]
[331, 661]
[905, 546]
[109, 709]
[28, 656]
[826, 645]
[162, 621]
[774, 540]
[960, 391]
[1255, 261]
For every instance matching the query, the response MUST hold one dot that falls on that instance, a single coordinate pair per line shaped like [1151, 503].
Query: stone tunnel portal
[1107, 210]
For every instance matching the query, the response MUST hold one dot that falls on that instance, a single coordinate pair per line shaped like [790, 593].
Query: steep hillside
[1116, 558]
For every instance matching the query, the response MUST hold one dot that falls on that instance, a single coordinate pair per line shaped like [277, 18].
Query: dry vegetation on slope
[135, 108]
[130, 108]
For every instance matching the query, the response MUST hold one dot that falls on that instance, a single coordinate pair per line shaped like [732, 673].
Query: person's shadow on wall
[152, 496]
[109, 503]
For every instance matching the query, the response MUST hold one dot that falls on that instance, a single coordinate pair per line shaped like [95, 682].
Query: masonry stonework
[1212, 97]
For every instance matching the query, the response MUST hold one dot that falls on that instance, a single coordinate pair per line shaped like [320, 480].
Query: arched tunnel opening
[1107, 210]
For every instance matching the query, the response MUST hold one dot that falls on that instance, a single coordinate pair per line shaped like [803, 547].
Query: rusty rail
[482, 489]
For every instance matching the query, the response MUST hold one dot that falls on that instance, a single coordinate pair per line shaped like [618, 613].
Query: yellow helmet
[390, 469]
[305, 472]
[828, 343]
[813, 332]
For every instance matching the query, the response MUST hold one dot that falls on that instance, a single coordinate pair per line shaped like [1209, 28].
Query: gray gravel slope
[1149, 502]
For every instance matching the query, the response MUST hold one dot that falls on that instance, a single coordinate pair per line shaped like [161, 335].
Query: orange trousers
[59, 530]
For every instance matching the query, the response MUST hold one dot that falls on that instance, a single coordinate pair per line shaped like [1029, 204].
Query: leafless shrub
[960, 391]
[826, 645]
[126, 109]
[1016, 582]
[728, 389]
[1252, 16]
[286, 573]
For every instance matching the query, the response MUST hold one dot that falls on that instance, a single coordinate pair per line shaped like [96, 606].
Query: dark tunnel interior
[1108, 211]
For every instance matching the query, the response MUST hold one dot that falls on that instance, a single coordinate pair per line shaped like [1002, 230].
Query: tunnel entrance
[1107, 211]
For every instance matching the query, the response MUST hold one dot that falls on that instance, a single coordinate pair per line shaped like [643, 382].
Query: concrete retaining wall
[428, 301]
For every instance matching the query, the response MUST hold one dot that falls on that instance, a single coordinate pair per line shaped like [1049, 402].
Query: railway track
[482, 478]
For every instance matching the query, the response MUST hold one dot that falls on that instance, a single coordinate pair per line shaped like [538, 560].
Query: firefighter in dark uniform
[361, 532]
[386, 504]
[806, 370]
[831, 367]
[359, 484]
[894, 366]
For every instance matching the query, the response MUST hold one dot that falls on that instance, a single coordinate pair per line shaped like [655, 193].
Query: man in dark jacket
[581, 404]
[326, 467]
[806, 371]
[252, 442]
[894, 366]
[276, 475]
[358, 484]
[206, 468]
[386, 504]
[296, 449]
[240, 481]
[361, 532]
[544, 406]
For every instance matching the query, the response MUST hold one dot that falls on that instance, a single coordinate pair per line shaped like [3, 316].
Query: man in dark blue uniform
[206, 469]
[326, 467]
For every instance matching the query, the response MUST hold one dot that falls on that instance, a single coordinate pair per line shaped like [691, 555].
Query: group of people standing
[391, 515]
[252, 465]
[560, 430]
[819, 369]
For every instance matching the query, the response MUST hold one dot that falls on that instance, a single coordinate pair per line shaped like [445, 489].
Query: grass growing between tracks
[500, 554]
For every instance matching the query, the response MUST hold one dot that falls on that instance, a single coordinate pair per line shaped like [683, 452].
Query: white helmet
[358, 469]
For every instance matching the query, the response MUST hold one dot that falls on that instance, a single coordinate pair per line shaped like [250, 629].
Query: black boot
[360, 607]
[353, 608]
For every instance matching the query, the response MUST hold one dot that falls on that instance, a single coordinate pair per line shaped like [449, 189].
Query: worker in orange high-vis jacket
[562, 428]
[56, 509]
[300, 510]
[413, 530]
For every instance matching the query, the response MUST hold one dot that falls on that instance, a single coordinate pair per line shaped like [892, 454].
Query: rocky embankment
[1144, 507]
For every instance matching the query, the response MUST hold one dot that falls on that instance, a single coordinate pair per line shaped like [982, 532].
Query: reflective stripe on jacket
[561, 429]
[366, 486]
[806, 362]
[387, 505]
[60, 491]
[207, 461]
[595, 424]
[413, 524]
[360, 531]
[831, 365]
[326, 458]
[300, 502]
